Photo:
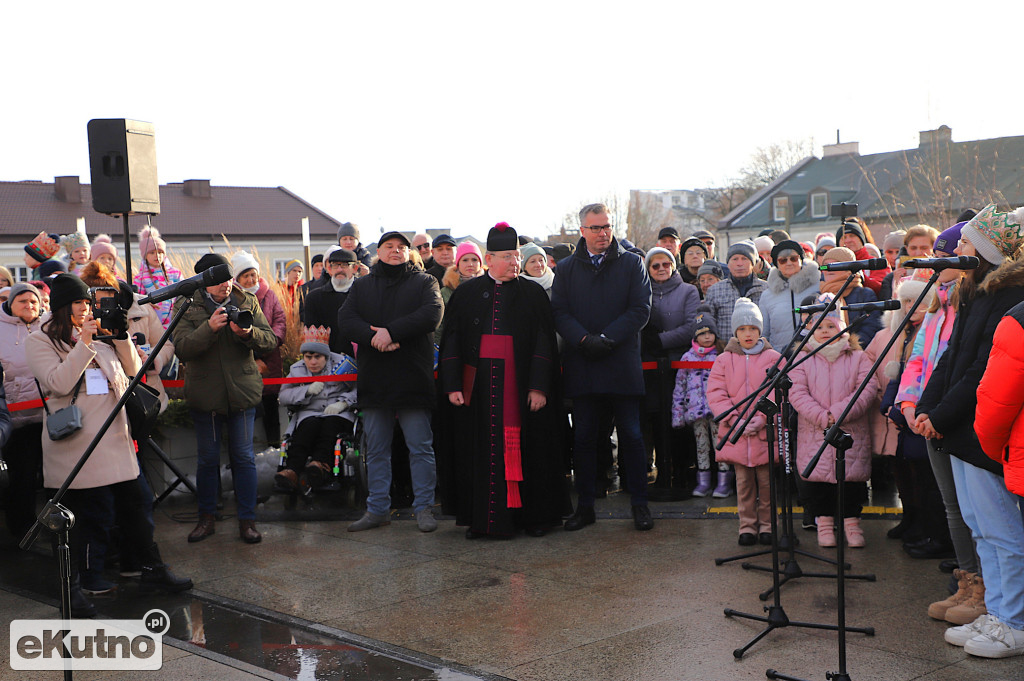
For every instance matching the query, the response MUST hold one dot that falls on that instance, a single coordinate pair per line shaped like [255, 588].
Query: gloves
[753, 427]
[596, 347]
[315, 388]
[336, 408]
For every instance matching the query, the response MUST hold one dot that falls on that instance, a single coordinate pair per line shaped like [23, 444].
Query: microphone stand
[842, 441]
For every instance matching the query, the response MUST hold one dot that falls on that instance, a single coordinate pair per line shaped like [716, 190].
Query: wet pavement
[313, 601]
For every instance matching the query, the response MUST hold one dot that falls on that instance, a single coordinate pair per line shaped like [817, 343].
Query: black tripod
[180, 478]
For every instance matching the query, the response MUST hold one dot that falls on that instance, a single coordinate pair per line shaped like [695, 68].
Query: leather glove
[315, 388]
[596, 347]
[336, 408]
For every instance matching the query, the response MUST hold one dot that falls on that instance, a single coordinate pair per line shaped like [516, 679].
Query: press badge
[96, 382]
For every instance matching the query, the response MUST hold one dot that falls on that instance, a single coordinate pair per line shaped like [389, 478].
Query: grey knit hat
[22, 287]
[744, 248]
[746, 313]
[348, 229]
[712, 267]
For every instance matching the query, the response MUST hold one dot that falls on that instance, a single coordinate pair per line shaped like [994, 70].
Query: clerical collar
[498, 283]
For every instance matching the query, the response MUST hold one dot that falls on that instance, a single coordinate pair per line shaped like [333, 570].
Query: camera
[108, 314]
[241, 318]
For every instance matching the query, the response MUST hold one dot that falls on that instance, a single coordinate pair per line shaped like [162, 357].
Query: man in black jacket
[443, 252]
[391, 314]
[323, 303]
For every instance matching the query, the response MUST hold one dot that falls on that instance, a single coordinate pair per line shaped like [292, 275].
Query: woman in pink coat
[821, 388]
[737, 372]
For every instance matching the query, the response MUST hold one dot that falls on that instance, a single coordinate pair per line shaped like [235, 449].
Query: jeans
[379, 425]
[959, 533]
[586, 416]
[208, 427]
[994, 516]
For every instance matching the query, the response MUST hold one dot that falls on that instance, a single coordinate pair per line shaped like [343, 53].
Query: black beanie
[210, 260]
[66, 289]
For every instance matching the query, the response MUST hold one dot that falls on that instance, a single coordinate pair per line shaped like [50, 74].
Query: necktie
[596, 259]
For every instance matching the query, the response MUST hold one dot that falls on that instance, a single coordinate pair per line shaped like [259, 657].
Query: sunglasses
[659, 265]
[423, 247]
[788, 258]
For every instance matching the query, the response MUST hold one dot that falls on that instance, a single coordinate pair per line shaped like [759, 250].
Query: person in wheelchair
[321, 411]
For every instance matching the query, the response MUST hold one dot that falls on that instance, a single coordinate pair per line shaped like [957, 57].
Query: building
[931, 184]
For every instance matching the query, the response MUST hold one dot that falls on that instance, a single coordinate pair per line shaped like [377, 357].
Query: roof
[30, 207]
[902, 187]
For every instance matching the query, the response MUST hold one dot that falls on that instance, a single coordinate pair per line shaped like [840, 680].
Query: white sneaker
[996, 640]
[425, 520]
[959, 636]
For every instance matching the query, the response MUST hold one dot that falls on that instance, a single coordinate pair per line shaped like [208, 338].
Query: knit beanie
[22, 287]
[43, 247]
[838, 254]
[835, 314]
[704, 323]
[826, 242]
[242, 261]
[787, 245]
[563, 251]
[528, 250]
[949, 239]
[319, 257]
[316, 339]
[656, 251]
[66, 289]
[712, 267]
[996, 236]
[75, 240]
[348, 229]
[763, 243]
[893, 240]
[291, 265]
[149, 240]
[102, 245]
[692, 242]
[744, 248]
[209, 260]
[746, 313]
[850, 227]
[52, 267]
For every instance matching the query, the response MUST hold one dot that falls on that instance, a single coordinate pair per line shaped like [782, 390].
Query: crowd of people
[506, 372]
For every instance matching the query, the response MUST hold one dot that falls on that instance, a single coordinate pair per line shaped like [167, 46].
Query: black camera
[242, 318]
[106, 311]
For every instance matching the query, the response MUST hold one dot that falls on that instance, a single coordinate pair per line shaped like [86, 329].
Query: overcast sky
[460, 115]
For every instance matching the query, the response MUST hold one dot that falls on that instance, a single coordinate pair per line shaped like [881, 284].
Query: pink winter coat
[820, 388]
[734, 376]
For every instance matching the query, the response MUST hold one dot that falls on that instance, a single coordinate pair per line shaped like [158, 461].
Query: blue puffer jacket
[613, 299]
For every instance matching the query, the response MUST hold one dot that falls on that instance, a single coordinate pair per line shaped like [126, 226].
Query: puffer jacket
[929, 344]
[821, 388]
[690, 396]
[734, 376]
[673, 310]
[884, 432]
[18, 379]
[303, 405]
[781, 296]
[997, 421]
[220, 372]
[951, 395]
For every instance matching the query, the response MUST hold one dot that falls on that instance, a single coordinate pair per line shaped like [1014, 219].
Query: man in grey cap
[443, 250]
[323, 303]
[348, 237]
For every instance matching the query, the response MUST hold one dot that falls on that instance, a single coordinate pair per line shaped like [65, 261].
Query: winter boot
[970, 608]
[155, 575]
[726, 485]
[703, 487]
[854, 535]
[826, 531]
[938, 609]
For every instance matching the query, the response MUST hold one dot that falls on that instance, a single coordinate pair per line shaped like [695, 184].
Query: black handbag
[142, 409]
[64, 422]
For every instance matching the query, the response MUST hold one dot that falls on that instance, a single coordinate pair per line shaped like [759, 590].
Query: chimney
[837, 149]
[929, 137]
[68, 189]
[199, 189]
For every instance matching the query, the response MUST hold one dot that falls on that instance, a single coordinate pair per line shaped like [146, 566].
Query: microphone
[856, 265]
[960, 262]
[811, 309]
[874, 306]
[186, 287]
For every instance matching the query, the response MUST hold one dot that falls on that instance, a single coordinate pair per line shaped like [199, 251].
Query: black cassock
[480, 480]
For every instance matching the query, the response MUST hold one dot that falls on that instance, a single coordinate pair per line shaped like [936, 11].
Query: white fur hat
[242, 261]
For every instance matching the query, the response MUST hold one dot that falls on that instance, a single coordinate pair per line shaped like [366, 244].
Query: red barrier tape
[647, 366]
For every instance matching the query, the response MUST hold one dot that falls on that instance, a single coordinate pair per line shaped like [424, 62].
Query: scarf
[831, 351]
[701, 350]
[545, 280]
[756, 350]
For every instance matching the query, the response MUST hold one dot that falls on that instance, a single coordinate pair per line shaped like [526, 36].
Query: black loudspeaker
[122, 160]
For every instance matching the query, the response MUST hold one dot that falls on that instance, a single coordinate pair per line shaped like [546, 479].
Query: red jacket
[997, 419]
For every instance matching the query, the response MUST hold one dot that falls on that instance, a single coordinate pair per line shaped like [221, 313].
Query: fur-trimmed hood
[1005, 276]
[734, 345]
[807, 276]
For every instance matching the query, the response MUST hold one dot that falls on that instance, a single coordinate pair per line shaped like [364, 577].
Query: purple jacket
[690, 397]
[673, 310]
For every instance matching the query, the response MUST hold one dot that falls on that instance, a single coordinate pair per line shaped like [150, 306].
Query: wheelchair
[346, 478]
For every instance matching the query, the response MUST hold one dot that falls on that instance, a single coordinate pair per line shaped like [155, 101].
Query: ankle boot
[703, 487]
[938, 609]
[204, 528]
[854, 535]
[248, 532]
[972, 607]
[826, 531]
[81, 607]
[156, 575]
[725, 487]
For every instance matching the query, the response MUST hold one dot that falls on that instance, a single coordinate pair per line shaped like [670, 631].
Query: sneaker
[826, 532]
[854, 533]
[368, 522]
[960, 635]
[425, 520]
[996, 640]
[93, 585]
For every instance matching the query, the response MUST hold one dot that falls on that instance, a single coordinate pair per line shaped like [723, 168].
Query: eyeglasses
[423, 247]
[597, 229]
[788, 258]
[509, 257]
[659, 265]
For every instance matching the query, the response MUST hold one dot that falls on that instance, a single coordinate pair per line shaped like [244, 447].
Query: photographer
[216, 341]
[73, 367]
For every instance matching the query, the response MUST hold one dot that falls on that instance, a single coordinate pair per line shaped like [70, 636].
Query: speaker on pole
[122, 161]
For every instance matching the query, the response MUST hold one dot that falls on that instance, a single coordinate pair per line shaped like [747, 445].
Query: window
[780, 208]
[279, 268]
[676, 200]
[20, 272]
[819, 205]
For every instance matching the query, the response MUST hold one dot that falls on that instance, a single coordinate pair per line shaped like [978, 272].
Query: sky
[458, 115]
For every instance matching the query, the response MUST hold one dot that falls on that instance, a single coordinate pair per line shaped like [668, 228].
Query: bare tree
[768, 163]
[568, 229]
[647, 215]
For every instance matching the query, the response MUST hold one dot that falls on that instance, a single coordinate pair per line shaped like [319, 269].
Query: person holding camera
[216, 340]
[84, 376]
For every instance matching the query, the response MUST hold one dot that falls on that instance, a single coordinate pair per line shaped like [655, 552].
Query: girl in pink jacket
[737, 372]
[821, 388]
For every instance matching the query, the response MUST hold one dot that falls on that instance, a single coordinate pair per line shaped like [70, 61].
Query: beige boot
[938, 609]
[973, 606]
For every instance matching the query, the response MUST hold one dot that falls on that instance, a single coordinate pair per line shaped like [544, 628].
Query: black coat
[407, 302]
[614, 300]
[322, 307]
[951, 396]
